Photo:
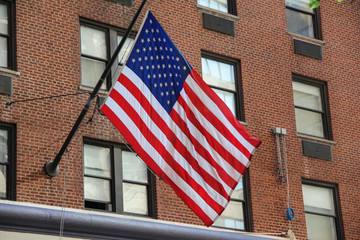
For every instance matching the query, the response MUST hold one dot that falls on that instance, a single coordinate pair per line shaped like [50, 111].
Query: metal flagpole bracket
[52, 168]
[280, 133]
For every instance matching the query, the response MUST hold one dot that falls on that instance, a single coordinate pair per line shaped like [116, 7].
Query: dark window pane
[300, 23]
[98, 205]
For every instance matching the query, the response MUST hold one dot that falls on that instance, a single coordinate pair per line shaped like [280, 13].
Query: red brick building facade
[45, 54]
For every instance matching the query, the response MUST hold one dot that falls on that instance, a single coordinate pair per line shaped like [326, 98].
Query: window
[98, 41]
[223, 76]
[311, 107]
[322, 210]
[7, 161]
[235, 215]
[226, 6]
[7, 34]
[116, 180]
[301, 19]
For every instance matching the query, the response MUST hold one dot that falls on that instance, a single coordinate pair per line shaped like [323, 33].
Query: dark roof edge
[86, 224]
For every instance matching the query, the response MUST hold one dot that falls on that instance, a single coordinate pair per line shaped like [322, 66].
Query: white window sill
[307, 39]
[8, 71]
[317, 139]
[245, 124]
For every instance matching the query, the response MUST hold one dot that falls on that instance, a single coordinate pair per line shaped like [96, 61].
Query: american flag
[178, 125]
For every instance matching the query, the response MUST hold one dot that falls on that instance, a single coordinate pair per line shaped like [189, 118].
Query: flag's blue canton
[159, 63]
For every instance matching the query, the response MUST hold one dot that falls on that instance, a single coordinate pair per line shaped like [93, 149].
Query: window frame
[247, 211]
[106, 31]
[230, 10]
[111, 33]
[232, 7]
[11, 41]
[246, 202]
[315, 15]
[336, 199]
[240, 115]
[11, 164]
[111, 178]
[239, 107]
[325, 113]
[116, 190]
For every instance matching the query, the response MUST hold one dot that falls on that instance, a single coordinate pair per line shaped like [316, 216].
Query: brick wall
[48, 60]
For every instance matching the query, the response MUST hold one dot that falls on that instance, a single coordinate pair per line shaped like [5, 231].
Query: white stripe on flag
[223, 141]
[232, 172]
[204, 164]
[217, 112]
[148, 148]
[168, 145]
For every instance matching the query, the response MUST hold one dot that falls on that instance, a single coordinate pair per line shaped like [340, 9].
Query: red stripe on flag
[216, 123]
[178, 145]
[161, 149]
[202, 151]
[238, 166]
[226, 111]
[149, 161]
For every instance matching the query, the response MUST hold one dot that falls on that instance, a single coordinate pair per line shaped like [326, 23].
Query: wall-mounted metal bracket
[51, 169]
[280, 132]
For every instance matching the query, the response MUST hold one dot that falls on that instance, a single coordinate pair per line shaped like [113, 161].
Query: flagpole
[52, 167]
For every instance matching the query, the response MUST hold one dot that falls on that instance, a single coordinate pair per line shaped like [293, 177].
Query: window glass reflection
[135, 198]
[220, 5]
[300, 23]
[232, 217]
